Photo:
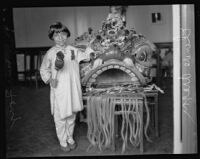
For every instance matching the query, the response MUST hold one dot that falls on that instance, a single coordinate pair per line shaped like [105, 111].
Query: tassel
[100, 119]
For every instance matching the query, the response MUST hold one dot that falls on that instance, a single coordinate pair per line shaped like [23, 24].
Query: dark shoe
[66, 149]
[72, 146]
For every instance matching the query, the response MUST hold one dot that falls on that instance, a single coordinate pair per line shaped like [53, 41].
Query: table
[152, 102]
[153, 105]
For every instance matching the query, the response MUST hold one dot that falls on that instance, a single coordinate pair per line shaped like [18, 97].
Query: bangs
[57, 28]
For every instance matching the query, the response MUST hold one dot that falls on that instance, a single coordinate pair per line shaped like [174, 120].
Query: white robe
[67, 96]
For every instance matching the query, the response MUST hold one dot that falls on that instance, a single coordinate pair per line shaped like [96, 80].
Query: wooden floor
[31, 133]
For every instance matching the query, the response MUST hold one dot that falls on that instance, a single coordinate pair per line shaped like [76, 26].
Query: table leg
[156, 116]
[141, 126]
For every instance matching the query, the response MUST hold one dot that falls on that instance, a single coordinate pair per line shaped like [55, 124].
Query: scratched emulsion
[186, 74]
[11, 106]
[34, 134]
[188, 99]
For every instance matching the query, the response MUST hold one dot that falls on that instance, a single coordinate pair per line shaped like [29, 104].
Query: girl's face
[60, 38]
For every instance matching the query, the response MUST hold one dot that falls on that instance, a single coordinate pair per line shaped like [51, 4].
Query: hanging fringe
[100, 118]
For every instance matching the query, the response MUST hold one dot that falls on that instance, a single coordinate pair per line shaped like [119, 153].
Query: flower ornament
[59, 63]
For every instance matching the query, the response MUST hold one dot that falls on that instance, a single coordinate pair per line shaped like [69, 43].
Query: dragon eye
[142, 56]
[114, 23]
[111, 32]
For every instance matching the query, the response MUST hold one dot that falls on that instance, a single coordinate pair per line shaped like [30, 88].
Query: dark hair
[57, 28]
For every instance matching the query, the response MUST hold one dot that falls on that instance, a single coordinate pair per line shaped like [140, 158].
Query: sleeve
[45, 69]
[84, 55]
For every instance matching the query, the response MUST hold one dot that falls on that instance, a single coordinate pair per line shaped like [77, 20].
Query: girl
[65, 87]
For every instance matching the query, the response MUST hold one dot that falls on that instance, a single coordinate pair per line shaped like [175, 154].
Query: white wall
[31, 24]
[139, 17]
[91, 17]
[161, 32]
[136, 18]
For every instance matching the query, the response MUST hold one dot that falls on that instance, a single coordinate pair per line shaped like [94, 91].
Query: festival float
[116, 82]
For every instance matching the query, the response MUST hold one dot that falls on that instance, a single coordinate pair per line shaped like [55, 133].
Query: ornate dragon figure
[114, 42]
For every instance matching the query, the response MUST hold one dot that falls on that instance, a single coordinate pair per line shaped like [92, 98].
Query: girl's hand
[54, 83]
